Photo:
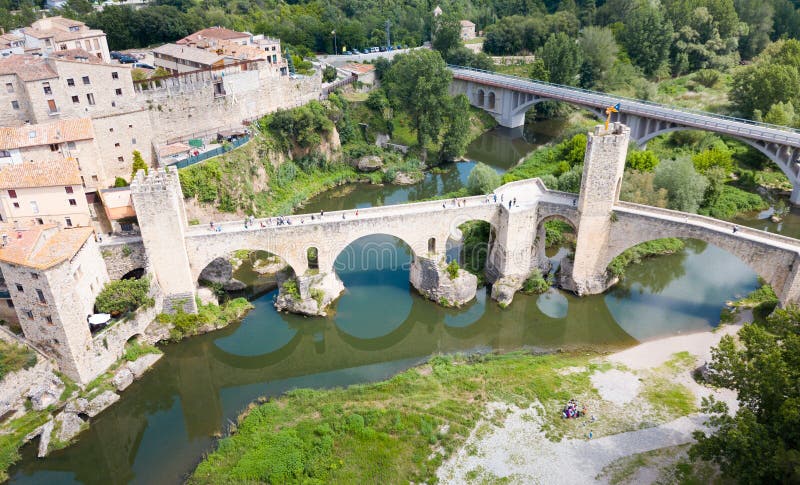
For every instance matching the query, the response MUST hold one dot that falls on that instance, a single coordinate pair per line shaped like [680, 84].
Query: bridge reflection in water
[165, 422]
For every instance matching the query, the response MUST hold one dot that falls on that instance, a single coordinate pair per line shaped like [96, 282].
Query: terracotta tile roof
[218, 33]
[41, 246]
[16, 137]
[189, 53]
[358, 68]
[59, 29]
[6, 40]
[239, 52]
[27, 67]
[40, 174]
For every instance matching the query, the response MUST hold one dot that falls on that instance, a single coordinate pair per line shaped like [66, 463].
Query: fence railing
[191, 160]
[690, 117]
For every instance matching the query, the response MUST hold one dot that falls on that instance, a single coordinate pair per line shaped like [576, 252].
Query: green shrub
[707, 77]
[554, 232]
[483, 179]
[290, 287]
[120, 182]
[643, 161]
[452, 269]
[123, 296]
[535, 284]
[14, 357]
[188, 324]
[644, 250]
[137, 349]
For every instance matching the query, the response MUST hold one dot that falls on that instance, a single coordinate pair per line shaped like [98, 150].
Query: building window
[40, 295]
[111, 130]
[70, 145]
[10, 303]
[68, 221]
[94, 178]
[16, 205]
[40, 221]
[96, 44]
[29, 314]
[51, 104]
[86, 80]
[70, 82]
[12, 194]
[9, 88]
[46, 87]
[5, 154]
[20, 288]
[53, 147]
[63, 47]
[34, 207]
[130, 126]
[118, 91]
[68, 189]
[116, 145]
[48, 319]
[15, 104]
[90, 98]
[115, 75]
[120, 159]
[133, 141]
[87, 44]
[35, 276]
[73, 202]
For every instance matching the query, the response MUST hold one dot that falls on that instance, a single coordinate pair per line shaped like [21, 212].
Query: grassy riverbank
[402, 429]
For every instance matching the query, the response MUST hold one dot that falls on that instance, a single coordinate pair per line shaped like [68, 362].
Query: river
[165, 422]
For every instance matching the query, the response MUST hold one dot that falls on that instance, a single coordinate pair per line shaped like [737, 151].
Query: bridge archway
[471, 244]
[773, 264]
[492, 100]
[481, 98]
[539, 249]
[243, 269]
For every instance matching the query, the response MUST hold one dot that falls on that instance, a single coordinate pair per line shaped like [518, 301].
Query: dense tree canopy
[760, 443]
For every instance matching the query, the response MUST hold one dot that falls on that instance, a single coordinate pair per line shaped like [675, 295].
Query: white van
[375, 49]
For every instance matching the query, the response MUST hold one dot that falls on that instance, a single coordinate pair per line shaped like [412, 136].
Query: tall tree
[446, 34]
[757, 15]
[562, 59]
[685, 187]
[599, 51]
[454, 143]
[647, 37]
[419, 82]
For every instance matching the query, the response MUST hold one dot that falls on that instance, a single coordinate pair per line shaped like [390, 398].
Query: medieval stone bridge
[604, 225]
[507, 98]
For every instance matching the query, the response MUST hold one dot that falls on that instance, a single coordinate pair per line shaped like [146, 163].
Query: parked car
[374, 49]
[383, 48]
[126, 59]
[116, 55]
[348, 53]
[143, 65]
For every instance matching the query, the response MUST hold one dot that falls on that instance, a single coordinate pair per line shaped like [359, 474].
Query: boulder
[77, 406]
[102, 401]
[404, 178]
[43, 396]
[218, 271]
[139, 366]
[503, 289]
[432, 280]
[370, 163]
[69, 426]
[122, 379]
[317, 292]
[44, 440]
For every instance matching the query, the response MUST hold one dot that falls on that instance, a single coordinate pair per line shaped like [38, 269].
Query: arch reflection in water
[375, 271]
[679, 293]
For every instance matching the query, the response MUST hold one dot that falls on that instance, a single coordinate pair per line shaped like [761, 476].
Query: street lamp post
[335, 50]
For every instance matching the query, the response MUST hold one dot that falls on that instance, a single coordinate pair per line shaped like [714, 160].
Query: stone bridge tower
[158, 201]
[604, 166]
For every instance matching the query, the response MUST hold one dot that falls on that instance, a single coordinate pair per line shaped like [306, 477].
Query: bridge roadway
[507, 98]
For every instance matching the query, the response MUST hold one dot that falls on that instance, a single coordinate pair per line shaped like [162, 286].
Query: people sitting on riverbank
[571, 410]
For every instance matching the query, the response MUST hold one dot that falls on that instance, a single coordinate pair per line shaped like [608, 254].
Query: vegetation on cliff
[123, 296]
[209, 316]
[14, 357]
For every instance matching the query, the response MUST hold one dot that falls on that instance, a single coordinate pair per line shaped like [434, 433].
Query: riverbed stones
[102, 401]
[76, 406]
[503, 289]
[139, 366]
[46, 393]
[311, 294]
[433, 281]
[122, 379]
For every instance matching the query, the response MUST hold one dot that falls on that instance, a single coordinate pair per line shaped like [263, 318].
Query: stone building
[178, 59]
[53, 277]
[236, 46]
[53, 34]
[467, 30]
[44, 192]
[11, 44]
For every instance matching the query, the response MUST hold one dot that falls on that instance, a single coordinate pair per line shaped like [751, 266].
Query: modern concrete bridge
[507, 98]
[604, 225]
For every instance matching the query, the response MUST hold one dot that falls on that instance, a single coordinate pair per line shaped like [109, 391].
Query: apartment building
[235, 46]
[178, 59]
[11, 44]
[43, 192]
[53, 34]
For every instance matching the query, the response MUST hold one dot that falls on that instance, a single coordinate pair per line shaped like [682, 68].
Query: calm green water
[164, 423]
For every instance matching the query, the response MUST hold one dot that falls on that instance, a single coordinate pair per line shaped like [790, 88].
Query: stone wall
[123, 257]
